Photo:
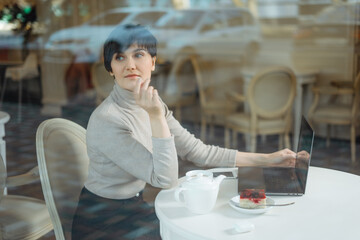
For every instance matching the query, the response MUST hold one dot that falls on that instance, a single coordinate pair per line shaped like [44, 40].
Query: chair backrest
[182, 75]
[199, 84]
[101, 80]
[271, 92]
[63, 166]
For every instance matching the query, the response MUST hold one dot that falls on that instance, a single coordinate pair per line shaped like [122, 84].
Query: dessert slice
[252, 198]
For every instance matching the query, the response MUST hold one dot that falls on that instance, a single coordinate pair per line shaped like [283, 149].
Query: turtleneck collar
[124, 98]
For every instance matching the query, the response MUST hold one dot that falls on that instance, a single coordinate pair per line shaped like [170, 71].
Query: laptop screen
[278, 180]
[304, 151]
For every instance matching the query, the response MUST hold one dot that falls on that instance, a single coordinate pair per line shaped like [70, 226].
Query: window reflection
[109, 19]
[305, 35]
[181, 20]
[213, 21]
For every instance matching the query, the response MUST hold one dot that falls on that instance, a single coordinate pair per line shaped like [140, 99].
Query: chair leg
[328, 128]
[203, 129]
[287, 141]
[212, 131]
[3, 91]
[19, 101]
[281, 141]
[227, 138]
[253, 143]
[263, 139]
[353, 145]
[234, 139]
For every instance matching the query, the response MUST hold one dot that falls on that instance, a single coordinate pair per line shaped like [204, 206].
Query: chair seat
[333, 113]
[172, 100]
[243, 120]
[23, 215]
[216, 111]
[218, 107]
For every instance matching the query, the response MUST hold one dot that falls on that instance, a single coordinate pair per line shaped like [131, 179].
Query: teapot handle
[177, 194]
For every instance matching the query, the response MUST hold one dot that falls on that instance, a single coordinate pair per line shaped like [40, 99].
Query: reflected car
[86, 41]
[328, 41]
[211, 33]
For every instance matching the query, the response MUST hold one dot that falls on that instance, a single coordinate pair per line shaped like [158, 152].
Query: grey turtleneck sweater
[124, 156]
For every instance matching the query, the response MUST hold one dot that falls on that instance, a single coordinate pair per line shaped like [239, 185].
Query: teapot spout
[219, 179]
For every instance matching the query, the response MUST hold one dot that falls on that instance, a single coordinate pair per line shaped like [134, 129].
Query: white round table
[330, 209]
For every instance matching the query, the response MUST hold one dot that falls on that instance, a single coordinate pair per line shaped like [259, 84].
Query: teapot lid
[199, 178]
[195, 173]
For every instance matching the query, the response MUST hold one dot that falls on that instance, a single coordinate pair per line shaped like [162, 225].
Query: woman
[133, 139]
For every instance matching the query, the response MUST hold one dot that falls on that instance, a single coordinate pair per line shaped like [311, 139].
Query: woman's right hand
[148, 98]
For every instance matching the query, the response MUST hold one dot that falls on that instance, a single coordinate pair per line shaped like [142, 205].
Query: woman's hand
[148, 98]
[303, 157]
[282, 158]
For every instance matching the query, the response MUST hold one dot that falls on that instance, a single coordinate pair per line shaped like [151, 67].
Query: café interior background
[65, 39]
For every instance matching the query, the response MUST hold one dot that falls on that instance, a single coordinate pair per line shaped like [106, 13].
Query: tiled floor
[21, 151]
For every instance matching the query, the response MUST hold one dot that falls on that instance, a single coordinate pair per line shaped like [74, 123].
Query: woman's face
[130, 65]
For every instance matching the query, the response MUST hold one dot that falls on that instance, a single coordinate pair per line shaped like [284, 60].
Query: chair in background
[63, 165]
[102, 81]
[213, 110]
[27, 71]
[21, 217]
[270, 96]
[340, 108]
[180, 89]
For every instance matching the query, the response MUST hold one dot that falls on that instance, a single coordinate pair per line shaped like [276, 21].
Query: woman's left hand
[282, 158]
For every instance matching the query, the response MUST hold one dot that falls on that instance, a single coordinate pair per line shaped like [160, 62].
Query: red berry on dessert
[252, 198]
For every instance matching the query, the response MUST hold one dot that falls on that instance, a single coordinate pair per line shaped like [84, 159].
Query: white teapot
[200, 191]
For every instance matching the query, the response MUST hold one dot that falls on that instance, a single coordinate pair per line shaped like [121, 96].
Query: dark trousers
[101, 218]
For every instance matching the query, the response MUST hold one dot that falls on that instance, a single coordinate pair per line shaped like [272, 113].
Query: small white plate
[235, 200]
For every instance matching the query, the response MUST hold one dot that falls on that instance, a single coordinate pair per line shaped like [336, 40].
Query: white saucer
[235, 200]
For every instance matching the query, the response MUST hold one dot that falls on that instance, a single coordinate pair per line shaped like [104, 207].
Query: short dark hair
[123, 36]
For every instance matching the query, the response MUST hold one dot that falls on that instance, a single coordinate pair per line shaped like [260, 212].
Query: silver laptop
[282, 181]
